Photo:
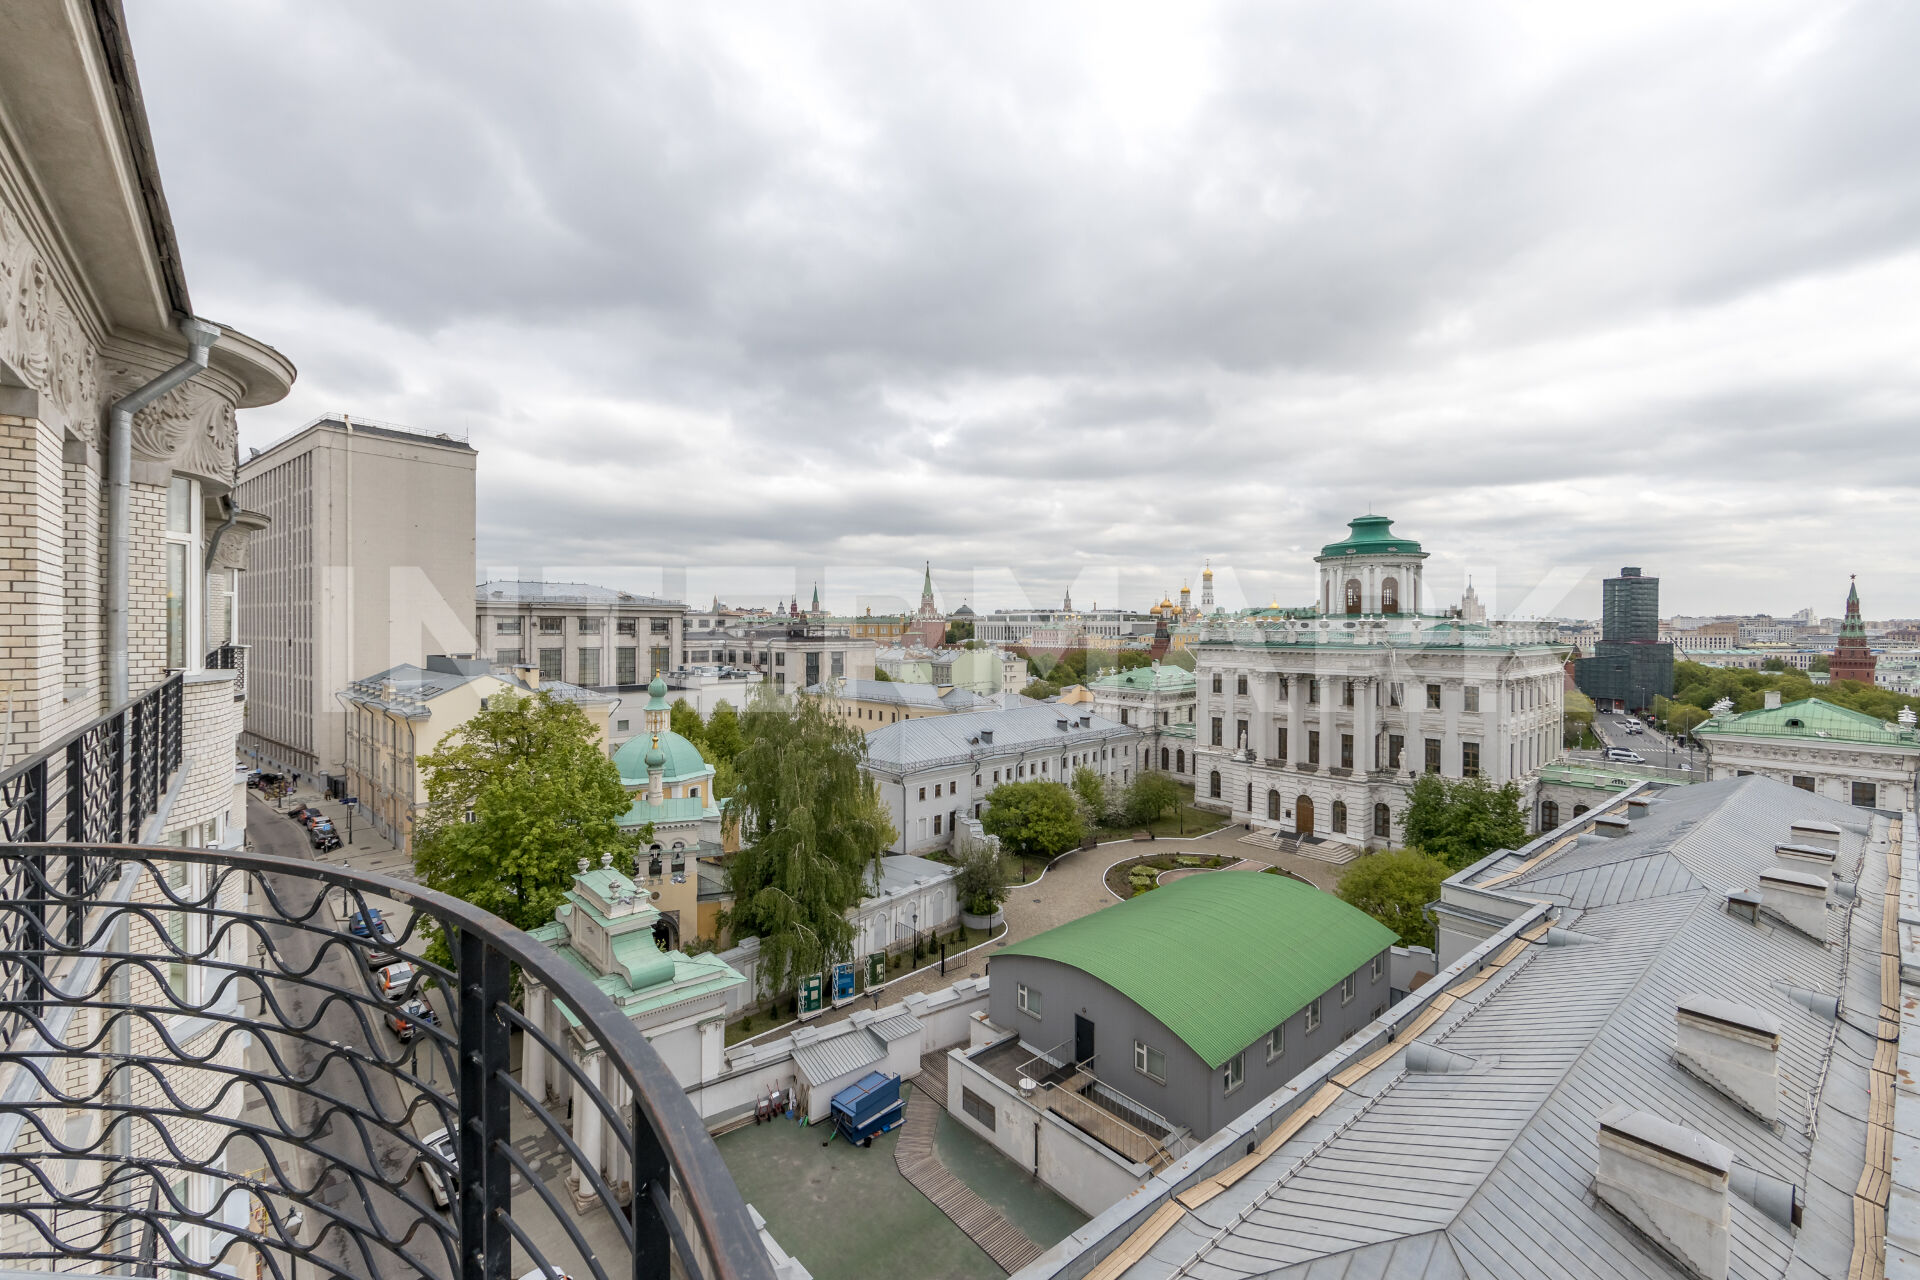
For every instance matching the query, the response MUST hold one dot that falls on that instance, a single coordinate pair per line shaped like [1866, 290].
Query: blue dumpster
[868, 1107]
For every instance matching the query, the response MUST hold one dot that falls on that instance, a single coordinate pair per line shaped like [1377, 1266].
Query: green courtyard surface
[1017, 1194]
[845, 1212]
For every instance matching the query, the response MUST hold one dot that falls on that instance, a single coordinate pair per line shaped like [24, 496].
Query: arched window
[1213, 784]
[1390, 595]
[1164, 753]
[1549, 815]
[1340, 816]
[1180, 761]
[1383, 822]
[1353, 595]
[1579, 809]
[1273, 805]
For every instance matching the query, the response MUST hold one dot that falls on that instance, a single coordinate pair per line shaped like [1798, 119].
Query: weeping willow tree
[811, 828]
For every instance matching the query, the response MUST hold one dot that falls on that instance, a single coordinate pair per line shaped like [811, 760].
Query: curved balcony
[214, 1064]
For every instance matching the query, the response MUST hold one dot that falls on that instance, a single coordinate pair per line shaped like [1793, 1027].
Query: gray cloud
[1044, 292]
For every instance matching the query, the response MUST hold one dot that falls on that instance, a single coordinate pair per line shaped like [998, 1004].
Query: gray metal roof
[1016, 730]
[1489, 1173]
[899, 694]
[536, 592]
[897, 1027]
[838, 1055]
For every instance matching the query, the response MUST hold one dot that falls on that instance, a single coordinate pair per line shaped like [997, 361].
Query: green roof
[1221, 958]
[683, 760]
[1157, 676]
[1372, 536]
[1814, 720]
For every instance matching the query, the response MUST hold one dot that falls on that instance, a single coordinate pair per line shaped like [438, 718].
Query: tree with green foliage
[1576, 718]
[1395, 887]
[878, 674]
[1462, 821]
[721, 740]
[811, 828]
[516, 796]
[981, 882]
[1041, 689]
[959, 632]
[1773, 664]
[1035, 818]
[1679, 718]
[684, 720]
[1702, 686]
[1151, 796]
[1822, 663]
[1090, 789]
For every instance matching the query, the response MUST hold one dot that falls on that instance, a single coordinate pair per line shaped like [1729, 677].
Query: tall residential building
[592, 636]
[1315, 722]
[1630, 665]
[368, 564]
[1852, 660]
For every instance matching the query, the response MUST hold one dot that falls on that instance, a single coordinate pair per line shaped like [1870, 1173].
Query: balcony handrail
[26, 799]
[671, 1147]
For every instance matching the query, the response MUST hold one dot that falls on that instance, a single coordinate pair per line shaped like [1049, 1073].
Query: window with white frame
[1276, 1042]
[1235, 1073]
[1149, 1061]
[1347, 986]
[1379, 965]
[1028, 999]
[182, 539]
[1313, 1014]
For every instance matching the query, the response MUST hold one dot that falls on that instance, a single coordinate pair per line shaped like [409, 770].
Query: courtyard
[848, 1212]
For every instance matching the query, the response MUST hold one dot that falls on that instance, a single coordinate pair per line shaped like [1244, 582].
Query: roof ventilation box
[1669, 1182]
[1820, 835]
[1638, 807]
[1809, 858]
[1733, 1047]
[986, 737]
[1797, 898]
[1771, 700]
[1610, 826]
[1061, 723]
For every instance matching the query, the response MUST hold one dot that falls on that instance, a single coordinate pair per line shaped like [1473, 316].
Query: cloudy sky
[736, 297]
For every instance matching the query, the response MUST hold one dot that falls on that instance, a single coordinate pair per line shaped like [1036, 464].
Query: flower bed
[1133, 876]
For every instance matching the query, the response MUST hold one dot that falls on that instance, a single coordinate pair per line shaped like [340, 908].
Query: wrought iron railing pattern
[222, 1005]
[97, 785]
[231, 657]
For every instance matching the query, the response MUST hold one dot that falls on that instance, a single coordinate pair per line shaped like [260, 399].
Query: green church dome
[1371, 535]
[681, 761]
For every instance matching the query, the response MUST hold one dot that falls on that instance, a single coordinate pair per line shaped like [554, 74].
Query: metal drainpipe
[200, 336]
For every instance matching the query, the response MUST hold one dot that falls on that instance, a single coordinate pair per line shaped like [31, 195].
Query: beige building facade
[123, 538]
[367, 564]
[574, 631]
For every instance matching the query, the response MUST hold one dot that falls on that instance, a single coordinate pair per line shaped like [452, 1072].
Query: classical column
[587, 1123]
[533, 1057]
[1366, 688]
[1330, 694]
[1296, 719]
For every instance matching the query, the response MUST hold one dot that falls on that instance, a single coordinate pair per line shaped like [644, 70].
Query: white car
[437, 1180]
[395, 980]
[1620, 755]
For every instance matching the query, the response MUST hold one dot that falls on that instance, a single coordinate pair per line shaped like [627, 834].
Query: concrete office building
[574, 631]
[367, 565]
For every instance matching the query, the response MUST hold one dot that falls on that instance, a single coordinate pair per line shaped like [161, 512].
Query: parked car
[405, 1019]
[1620, 755]
[439, 1181]
[395, 980]
[265, 778]
[1633, 727]
[538, 1274]
[371, 925]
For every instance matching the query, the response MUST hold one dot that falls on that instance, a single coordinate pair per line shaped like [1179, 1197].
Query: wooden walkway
[1009, 1246]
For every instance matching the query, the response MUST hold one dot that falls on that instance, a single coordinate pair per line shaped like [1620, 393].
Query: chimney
[1061, 723]
[529, 676]
[986, 737]
[1821, 835]
[1638, 807]
[1808, 858]
[1798, 899]
[1671, 1183]
[1610, 826]
[1772, 698]
[1734, 1048]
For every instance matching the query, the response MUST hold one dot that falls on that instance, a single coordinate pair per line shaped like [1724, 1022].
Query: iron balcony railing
[224, 1070]
[231, 657]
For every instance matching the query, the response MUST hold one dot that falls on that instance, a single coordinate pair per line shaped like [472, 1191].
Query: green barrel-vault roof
[1221, 957]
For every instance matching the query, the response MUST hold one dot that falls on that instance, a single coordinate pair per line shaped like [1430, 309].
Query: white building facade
[1817, 746]
[1316, 722]
[937, 772]
[1161, 701]
[577, 632]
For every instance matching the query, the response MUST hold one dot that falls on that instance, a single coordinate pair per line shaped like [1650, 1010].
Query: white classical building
[1819, 747]
[936, 772]
[1159, 700]
[1315, 722]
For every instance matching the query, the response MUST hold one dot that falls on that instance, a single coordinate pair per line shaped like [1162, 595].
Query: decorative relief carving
[190, 429]
[40, 337]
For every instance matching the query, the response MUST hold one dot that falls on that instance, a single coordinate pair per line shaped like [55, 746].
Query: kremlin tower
[1852, 660]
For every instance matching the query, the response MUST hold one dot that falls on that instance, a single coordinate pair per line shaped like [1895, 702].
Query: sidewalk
[367, 851]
